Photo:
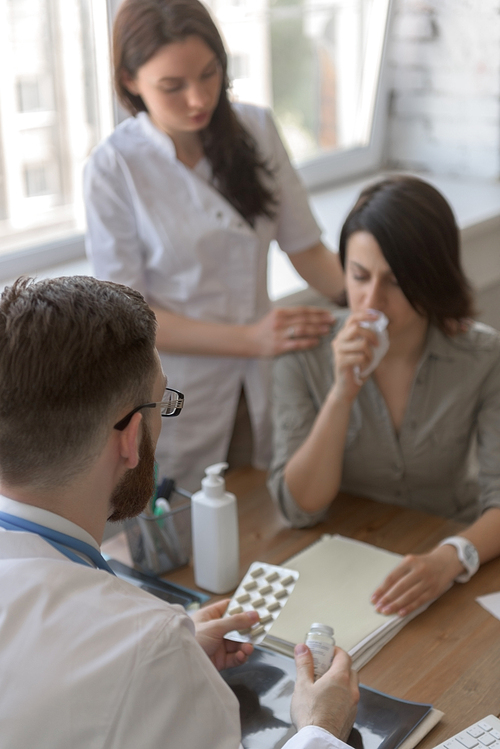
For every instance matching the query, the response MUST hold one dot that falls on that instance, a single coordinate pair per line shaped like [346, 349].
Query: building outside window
[51, 115]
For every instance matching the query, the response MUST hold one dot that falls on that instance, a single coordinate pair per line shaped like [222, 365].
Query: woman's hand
[418, 579]
[286, 329]
[210, 631]
[352, 347]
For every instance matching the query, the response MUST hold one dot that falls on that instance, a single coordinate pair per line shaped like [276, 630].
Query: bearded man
[86, 659]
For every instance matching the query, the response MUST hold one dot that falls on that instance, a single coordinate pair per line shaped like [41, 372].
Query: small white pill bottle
[321, 643]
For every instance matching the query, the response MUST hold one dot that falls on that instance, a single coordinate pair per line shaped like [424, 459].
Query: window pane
[53, 109]
[315, 62]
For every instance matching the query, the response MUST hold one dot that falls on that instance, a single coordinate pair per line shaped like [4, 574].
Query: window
[317, 64]
[238, 67]
[55, 105]
[28, 95]
[36, 180]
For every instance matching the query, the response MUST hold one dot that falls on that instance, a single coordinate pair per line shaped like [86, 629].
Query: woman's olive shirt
[445, 459]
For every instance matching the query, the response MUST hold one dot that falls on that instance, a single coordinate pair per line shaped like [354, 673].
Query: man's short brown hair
[74, 352]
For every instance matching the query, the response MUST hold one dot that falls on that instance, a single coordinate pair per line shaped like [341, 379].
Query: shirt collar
[163, 141]
[165, 144]
[46, 518]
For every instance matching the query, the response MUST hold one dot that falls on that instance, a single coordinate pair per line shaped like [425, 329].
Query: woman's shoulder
[122, 141]
[318, 360]
[259, 122]
[474, 352]
[476, 337]
[253, 115]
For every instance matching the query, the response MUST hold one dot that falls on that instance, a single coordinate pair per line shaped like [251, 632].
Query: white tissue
[380, 350]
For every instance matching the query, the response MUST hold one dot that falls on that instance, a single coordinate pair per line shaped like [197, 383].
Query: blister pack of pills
[265, 588]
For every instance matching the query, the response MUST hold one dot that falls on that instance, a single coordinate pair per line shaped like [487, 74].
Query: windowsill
[476, 204]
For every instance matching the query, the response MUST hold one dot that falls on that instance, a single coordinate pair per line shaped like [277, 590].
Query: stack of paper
[336, 581]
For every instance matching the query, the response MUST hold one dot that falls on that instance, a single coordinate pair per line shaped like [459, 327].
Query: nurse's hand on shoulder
[418, 579]
[352, 348]
[331, 701]
[211, 628]
[286, 329]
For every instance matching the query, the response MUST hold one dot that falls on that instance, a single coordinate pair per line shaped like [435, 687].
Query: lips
[200, 119]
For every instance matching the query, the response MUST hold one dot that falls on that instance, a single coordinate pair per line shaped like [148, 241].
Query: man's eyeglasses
[170, 405]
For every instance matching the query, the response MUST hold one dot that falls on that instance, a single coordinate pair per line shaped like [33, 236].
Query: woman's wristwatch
[467, 554]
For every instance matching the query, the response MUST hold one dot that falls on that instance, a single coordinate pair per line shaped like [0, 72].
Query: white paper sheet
[491, 603]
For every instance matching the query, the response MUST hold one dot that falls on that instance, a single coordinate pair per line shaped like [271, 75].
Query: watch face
[470, 555]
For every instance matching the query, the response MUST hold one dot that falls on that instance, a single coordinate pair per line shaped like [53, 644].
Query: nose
[375, 296]
[198, 96]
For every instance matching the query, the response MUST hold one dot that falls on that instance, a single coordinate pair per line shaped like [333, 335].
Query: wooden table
[448, 656]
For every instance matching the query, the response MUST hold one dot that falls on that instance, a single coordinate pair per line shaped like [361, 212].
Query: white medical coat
[162, 228]
[89, 661]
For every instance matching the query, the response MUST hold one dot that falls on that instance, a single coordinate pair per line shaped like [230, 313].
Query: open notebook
[337, 578]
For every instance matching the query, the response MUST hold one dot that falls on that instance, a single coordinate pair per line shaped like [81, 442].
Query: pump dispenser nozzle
[213, 484]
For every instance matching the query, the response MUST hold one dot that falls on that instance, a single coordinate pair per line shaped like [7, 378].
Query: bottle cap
[323, 628]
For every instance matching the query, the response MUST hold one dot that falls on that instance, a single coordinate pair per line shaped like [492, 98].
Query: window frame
[319, 173]
[331, 169]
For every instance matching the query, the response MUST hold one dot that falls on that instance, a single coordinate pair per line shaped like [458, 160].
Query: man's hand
[418, 579]
[210, 631]
[331, 701]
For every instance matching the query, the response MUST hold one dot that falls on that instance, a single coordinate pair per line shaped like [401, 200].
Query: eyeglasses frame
[123, 423]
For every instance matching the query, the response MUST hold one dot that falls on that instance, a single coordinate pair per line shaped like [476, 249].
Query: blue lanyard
[59, 541]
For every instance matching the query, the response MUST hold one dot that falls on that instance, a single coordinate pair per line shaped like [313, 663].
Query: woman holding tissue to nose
[409, 413]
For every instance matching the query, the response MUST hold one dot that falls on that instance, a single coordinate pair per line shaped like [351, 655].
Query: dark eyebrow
[170, 79]
[362, 268]
[358, 266]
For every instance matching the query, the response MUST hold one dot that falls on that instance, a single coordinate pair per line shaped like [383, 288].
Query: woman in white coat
[183, 200]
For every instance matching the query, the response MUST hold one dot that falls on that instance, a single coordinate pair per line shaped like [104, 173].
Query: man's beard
[137, 487]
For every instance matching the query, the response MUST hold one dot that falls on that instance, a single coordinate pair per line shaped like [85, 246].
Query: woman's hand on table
[211, 628]
[352, 347]
[418, 579]
[286, 329]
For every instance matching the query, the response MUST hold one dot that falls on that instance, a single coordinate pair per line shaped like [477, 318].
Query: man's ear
[130, 440]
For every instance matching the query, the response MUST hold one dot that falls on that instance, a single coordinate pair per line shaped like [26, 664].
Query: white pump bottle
[214, 520]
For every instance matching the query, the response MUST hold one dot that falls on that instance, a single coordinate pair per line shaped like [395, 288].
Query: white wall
[445, 87]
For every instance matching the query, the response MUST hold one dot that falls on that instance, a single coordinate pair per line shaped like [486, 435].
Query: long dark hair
[142, 27]
[418, 235]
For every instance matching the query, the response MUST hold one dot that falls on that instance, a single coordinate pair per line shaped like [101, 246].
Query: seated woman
[404, 435]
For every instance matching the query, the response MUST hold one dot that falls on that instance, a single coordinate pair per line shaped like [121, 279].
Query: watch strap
[467, 554]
